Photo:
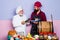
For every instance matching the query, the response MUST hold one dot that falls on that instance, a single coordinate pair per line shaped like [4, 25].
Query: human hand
[23, 22]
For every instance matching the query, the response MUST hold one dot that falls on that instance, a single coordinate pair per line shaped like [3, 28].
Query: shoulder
[33, 13]
[42, 13]
[24, 15]
[15, 16]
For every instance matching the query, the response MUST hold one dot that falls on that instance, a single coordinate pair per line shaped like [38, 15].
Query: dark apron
[34, 29]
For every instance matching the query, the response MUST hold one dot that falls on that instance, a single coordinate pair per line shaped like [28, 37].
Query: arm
[31, 18]
[15, 22]
[43, 17]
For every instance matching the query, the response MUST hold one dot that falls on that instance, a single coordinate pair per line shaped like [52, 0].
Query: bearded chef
[19, 21]
[37, 15]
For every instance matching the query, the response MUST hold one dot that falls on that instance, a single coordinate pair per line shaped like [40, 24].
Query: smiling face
[21, 12]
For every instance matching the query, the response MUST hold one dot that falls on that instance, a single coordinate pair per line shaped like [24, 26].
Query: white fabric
[18, 9]
[17, 23]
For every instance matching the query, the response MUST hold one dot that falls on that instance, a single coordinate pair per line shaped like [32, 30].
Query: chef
[19, 21]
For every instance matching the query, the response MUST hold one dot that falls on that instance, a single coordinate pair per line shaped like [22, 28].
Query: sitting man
[19, 21]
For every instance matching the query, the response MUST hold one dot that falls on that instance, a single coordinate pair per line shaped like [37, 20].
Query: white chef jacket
[17, 23]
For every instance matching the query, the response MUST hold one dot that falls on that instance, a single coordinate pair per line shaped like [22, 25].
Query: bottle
[49, 36]
[41, 36]
[45, 36]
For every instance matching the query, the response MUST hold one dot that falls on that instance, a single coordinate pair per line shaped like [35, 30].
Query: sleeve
[31, 16]
[15, 22]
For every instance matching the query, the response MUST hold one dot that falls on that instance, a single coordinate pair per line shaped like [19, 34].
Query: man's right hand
[23, 22]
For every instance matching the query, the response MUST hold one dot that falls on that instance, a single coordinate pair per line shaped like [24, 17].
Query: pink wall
[6, 25]
[57, 27]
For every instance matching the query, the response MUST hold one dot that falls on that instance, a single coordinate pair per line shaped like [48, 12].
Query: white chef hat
[18, 9]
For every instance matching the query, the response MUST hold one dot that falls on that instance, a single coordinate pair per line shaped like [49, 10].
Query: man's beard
[21, 15]
[35, 11]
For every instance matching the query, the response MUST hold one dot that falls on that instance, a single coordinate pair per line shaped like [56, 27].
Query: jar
[45, 36]
[41, 36]
[49, 36]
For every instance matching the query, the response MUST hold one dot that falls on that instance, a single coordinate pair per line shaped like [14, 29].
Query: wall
[8, 7]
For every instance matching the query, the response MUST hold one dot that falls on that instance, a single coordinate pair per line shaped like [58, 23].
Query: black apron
[34, 29]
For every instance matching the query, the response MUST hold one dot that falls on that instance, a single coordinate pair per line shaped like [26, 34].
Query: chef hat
[18, 9]
[38, 4]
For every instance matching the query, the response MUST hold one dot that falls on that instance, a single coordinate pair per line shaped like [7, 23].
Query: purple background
[7, 8]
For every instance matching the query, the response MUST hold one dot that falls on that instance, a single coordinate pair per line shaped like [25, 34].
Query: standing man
[37, 14]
